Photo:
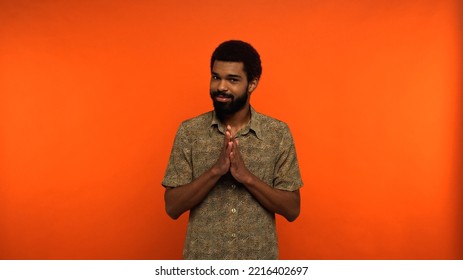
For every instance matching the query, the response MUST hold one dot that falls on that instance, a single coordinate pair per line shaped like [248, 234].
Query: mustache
[221, 94]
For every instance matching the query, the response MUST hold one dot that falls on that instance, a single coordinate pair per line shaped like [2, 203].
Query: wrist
[214, 171]
[247, 179]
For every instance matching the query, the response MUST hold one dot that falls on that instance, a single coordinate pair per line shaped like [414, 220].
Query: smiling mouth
[221, 97]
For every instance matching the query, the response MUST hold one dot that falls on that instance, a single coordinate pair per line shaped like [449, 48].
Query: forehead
[228, 68]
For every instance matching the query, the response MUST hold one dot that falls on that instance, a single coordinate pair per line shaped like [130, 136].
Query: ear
[253, 85]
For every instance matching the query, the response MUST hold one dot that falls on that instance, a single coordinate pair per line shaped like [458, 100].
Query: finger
[228, 135]
[226, 140]
[229, 129]
[229, 147]
[233, 145]
[229, 132]
[236, 146]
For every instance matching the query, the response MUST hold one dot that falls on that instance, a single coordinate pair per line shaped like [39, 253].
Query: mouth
[223, 97]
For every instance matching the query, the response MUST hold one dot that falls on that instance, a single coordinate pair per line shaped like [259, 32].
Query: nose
[222, 86]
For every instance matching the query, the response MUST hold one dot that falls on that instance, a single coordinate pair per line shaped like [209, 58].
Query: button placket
[233, 187]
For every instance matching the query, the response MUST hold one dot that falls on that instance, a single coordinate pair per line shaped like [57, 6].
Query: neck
[238, 119]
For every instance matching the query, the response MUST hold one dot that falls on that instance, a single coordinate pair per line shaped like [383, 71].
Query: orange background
[92, 92]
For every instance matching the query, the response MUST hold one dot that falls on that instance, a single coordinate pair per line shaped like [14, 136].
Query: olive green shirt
[230, 223]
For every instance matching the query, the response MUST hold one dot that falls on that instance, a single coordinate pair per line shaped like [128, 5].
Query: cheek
[240, 89]
[212, 84]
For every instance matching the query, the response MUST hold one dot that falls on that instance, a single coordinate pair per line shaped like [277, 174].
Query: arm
[285, 203]
[183, 198]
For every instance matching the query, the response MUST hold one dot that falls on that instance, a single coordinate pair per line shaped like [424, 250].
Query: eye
[214, 77]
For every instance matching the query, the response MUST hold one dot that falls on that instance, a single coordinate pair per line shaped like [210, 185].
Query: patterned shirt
[230, 223]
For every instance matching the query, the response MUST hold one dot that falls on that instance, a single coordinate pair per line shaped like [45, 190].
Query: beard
[223, 109]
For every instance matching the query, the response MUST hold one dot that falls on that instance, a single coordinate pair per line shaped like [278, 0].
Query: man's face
[229, 87]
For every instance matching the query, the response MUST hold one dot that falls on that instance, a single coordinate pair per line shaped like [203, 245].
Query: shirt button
[233, 186]
[233, 210]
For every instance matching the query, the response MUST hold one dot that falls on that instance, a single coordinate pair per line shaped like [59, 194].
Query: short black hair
[239, 51]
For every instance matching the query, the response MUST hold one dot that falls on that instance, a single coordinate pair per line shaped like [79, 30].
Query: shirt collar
[253, 125]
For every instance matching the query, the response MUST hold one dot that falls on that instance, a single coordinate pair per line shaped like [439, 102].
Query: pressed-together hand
[238, 169]
[230, 158]
[223, 163]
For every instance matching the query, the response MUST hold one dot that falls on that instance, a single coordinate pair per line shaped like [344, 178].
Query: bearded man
[233, 168]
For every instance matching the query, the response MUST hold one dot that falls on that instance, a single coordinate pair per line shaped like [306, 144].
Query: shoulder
[195, 126]
[270, 125]
[203, 120]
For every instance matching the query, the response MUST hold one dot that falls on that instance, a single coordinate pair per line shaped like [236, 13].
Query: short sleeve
[179, 168]
[287, 175]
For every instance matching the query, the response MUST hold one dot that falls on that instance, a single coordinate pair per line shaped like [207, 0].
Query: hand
[222, 165]
[237, 167]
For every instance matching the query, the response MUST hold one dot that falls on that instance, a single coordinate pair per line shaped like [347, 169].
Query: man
[233, 167]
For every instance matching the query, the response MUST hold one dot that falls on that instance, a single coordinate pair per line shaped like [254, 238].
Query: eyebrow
[229, 75]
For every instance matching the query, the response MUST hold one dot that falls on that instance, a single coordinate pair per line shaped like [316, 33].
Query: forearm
[183, 198]
[285, 203]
